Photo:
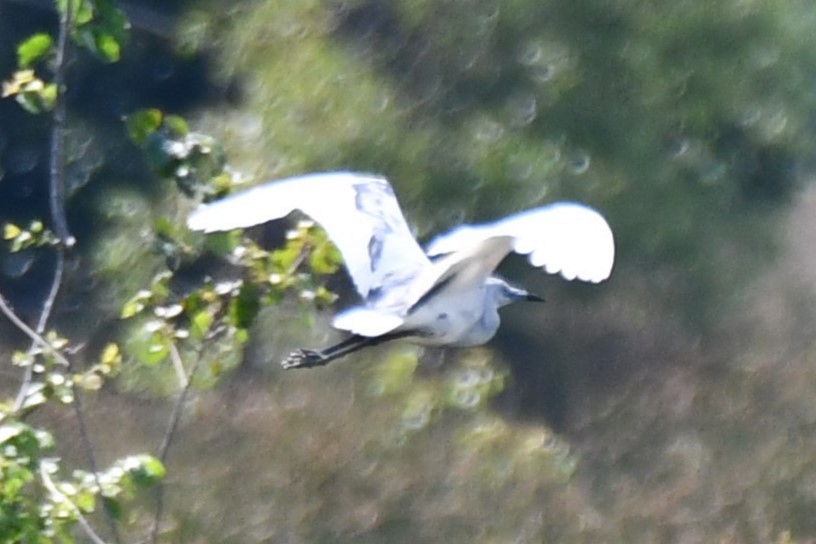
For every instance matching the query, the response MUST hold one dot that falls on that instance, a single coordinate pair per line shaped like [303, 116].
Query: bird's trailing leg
[311, 358]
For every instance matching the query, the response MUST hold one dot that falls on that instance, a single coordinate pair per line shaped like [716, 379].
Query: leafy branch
[37, 506]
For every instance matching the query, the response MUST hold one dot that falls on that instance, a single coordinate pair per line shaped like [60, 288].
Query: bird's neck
[490, 317]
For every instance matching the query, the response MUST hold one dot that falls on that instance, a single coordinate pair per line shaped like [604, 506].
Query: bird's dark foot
[304, 358]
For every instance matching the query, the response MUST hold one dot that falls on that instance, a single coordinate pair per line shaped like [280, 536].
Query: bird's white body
[452, 300]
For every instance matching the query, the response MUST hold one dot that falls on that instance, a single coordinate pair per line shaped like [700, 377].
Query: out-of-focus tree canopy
[681, 120]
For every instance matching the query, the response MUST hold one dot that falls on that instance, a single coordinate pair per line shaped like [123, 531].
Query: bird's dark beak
[534, 298]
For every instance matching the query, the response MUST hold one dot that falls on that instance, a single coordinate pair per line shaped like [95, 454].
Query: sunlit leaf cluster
[212, 321]
[51, 377]
[31, 92]
[35, 235]
[97, 25]
[195, 162]
[39, 504]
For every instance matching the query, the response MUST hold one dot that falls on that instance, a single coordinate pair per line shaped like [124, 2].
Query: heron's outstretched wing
[359, 212]
[565, 237]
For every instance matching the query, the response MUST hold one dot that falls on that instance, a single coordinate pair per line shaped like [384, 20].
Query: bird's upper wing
[565, 237]
[359, 212]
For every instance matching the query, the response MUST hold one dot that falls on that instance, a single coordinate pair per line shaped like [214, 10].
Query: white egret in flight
[446, 295]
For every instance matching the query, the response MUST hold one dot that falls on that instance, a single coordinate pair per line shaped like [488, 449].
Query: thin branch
[36, 335]
[85, 439]
[304, 252]
[56, 191]
[57, 208]
[175, 416]
[170, 432]
[57, 204]
[5, 307]
[178, 365]
[60, 496]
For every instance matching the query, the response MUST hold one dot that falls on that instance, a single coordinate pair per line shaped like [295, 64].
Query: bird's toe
[304, 358]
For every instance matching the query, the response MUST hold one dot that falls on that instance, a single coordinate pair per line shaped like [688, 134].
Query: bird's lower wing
[369, 322]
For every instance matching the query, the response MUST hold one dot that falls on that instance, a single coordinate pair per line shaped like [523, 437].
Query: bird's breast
[452, 319]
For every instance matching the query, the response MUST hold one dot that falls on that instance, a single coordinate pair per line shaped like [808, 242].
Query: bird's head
[503, 293]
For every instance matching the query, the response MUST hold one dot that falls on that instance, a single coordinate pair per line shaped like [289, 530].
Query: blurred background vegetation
[673, 403]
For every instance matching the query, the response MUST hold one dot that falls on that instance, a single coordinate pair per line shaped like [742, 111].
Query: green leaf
[90, 381]
[113, 507]
[222, 243]
[156, 350]
[149, 343]
[131, 308]
[176, 125]
[11, 231]
[244, 307]
[49, 96]
[7, 432]
[111, 354]
[108, 47]
[98, 26]
[33, 49]
[200, 324]
[145, 470]
[81, 11]
[112, 20]
[35, 396]
[136, 304]
[85, 501]
[142, 124]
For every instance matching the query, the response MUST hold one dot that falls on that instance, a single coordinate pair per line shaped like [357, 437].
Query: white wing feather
[565, 238]
[359, 212]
